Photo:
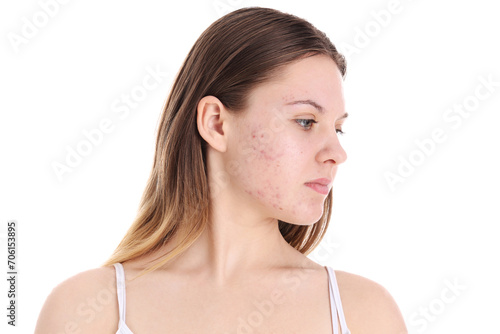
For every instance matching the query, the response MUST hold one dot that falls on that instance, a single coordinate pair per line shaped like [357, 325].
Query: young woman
[239, 194]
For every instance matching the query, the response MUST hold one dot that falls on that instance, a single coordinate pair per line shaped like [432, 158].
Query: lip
[320, 185]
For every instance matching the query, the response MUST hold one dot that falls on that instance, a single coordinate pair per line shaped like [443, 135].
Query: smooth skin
[241, 272]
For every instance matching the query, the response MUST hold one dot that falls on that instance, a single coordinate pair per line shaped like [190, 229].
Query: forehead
[315, 80]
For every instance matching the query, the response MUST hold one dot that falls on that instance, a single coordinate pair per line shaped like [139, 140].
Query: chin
[304, 221]
[302, 215]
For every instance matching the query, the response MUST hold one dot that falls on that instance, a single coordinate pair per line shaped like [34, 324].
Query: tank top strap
[336, 303]
[120, 290]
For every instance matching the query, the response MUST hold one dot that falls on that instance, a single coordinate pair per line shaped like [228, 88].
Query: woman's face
[275, 148]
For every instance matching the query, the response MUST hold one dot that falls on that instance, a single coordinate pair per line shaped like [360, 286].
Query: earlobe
[210, 120]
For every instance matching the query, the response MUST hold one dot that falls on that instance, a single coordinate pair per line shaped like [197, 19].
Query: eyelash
[313, 121]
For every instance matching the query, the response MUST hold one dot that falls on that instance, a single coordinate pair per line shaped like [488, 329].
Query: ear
[212, 120]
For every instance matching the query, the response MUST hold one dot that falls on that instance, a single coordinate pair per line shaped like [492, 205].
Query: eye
[299, 121]
[310, 122]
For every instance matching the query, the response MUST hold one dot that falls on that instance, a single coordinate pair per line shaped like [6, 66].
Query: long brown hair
[234, 54]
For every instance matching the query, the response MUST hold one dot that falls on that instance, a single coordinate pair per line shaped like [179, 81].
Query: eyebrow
[320, 109]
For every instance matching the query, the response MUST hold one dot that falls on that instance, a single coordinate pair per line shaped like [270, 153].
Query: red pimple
[266, 156]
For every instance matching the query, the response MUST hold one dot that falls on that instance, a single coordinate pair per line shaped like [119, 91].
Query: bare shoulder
[83, 303]
[368, 306]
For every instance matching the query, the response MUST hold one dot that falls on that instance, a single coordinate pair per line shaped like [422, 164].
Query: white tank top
[335, 303]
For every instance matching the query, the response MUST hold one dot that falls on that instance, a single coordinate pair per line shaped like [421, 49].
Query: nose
[332, 150]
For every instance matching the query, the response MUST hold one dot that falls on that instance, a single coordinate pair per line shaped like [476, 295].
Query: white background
[405, 71]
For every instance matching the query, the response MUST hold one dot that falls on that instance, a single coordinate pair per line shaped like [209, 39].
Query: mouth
[320, 188]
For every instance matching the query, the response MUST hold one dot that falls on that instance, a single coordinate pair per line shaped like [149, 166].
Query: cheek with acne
[263, 144]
